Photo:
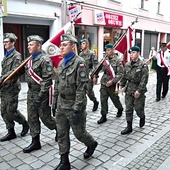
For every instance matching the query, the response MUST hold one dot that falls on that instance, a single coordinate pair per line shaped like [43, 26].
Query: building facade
[46, 18]
[152, 28]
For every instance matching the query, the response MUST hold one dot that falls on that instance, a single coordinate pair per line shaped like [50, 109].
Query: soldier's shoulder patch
[82, 65]
[82, 74]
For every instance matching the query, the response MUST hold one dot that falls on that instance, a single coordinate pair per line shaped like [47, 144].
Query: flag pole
[117, 42]
[122, 36]
[73, 30]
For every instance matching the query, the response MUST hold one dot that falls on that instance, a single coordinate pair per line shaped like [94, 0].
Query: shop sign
[75, 13]
[108, 19]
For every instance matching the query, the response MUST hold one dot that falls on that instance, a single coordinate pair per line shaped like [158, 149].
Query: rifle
[99, 65]
[15, 71]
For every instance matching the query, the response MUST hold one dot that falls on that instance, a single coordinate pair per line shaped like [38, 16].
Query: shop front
[100, 28]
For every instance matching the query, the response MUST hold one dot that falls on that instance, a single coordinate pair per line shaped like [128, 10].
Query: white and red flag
[124, 44]
[51, 46]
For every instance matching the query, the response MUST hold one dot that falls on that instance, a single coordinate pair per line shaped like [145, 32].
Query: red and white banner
[51, 46]
[110, 69]
[125, 44]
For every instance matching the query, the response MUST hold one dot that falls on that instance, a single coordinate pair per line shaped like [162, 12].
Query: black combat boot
[35, 145]
[142, 122]
[64, 163]
[119, 113]
[128, 129]
[95, 106]
[102, 120]
[10, 135]
[90, 150]
[25, 128]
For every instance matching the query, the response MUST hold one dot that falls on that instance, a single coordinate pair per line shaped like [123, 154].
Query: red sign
[75, 13]
[113, 19]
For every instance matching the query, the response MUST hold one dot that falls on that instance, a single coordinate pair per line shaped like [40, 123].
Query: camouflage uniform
[106, 92]
[91, 62]
[135, 79]
[70, 91]
[43, 67]
[9, 93]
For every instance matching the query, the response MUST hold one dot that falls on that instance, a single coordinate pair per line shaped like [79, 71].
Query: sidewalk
[145, 148]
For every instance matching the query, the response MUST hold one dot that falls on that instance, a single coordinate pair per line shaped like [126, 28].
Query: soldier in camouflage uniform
[39, 72]
[108, 83]
[133, 83]
[9, 92]
[70, 95]
[91, 62]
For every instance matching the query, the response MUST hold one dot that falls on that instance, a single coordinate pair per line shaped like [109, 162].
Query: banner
[125, 44]
[3, 8]
[52, 46]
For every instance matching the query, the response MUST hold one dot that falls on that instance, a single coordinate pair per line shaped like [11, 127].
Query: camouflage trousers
[64, 122]
[105, 93]
[134, 104]
[35, 114]
[9, 112]
[90, 91]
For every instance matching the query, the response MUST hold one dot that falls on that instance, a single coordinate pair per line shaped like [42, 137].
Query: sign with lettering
[108, 19]
[75, 13]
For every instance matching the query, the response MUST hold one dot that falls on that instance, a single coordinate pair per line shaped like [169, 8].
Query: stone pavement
[145, 148]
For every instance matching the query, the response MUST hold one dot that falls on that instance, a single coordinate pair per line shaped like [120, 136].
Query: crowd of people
[73, 82]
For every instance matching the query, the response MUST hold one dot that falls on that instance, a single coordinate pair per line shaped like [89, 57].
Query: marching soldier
[9, 92]
[70, 96]
[91, 62]
[39, 72]
[133, 83]
[114, 66]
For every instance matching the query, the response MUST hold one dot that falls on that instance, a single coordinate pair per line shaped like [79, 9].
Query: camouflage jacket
[90, 58]
[135, 77]
[43, 67]
[9, 64]
[117, 66]
[70, 84]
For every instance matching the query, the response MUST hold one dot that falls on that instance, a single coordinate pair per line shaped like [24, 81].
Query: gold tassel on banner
[117, 88]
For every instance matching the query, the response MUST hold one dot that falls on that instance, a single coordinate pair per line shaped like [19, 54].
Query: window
[142, 4]
[159, 4]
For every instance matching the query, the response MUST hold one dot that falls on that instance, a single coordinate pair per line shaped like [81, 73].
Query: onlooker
[70, 95]
[9, 92]
[91, 61]
[133, 83]
[153, 63]
[113, 70]
[39, 77]
[163, 66]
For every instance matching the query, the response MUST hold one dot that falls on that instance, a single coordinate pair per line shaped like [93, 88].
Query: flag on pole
[125, 44]
[51, 46]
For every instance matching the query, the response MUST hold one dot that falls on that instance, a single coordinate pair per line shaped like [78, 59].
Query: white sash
[38, 79]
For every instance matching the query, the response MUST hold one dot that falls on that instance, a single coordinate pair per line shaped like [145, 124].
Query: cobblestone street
[145, 148]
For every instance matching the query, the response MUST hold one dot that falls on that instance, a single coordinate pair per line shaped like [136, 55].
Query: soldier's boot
[64, 163]
[95, 106]
[90, 150]
[56, 136]
[9, 136]
[35, 145]
[25, 128]
[119, 113]
[142, 122]
[128, 129]
[102, 119]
